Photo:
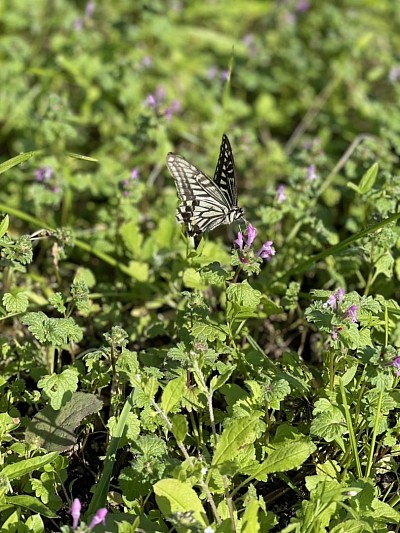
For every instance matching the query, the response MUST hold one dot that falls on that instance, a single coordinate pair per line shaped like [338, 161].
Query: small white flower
[204, 470]
[209, 529]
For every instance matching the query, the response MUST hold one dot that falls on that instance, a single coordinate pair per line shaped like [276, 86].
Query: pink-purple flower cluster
[245, 246]
[396, 364]
[44, 173]
[99, 517]
[213, 72]
[80, 22]
[46, 176]
[334, 301]
[156, 100]
[281, 193]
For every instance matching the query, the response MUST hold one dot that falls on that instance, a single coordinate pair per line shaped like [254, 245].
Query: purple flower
[352, 313]
[89, 10]
[75, 512]
[151, 101]
[396, 364]
[225, 75]
[311, 174]
[281, 193]
[147, 61]
[160, 94]
[134, 174]
[331, 301]
[266, 250]
[248, 39]
[239, 240]
[44, 173]
[394, 74]
[340, 295]
[251, 235]
[99, 517]
[250, 43]
[212, 72]
[78, 24]
[174, 107]
[303, 5]
[334, 335]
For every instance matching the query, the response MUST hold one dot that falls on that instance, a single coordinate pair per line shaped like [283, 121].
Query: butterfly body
[206, 203]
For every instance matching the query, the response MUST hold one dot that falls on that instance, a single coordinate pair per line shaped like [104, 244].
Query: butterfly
[206, 203]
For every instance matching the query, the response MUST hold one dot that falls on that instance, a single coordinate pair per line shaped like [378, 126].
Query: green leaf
[209, 332]
[250, 519]
[131, 432]
[35, 524]
[57, 386]
[368, 180]
[27, 466]
[243, 295]
[329, 422]
[54, 430]
[384, 265]
[16, 302]
[192, 279]
[240, 433]
[17, 160]
[218, 381]
[180, 427]
[173, 393]
[277, 392]
[4, 225]
[384, 512]
[286, 456]
[174, 496]
[57, 301]
[139, 270]
[83, 157]
[132, 237]
[353, 186]
[352, 526]
[31, 503]
[54, 331]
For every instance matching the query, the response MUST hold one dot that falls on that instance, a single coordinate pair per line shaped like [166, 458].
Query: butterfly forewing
[191, 183]
[224, 175]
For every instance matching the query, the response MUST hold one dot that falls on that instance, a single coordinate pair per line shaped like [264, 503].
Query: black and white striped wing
[204, 206]
[224, 176]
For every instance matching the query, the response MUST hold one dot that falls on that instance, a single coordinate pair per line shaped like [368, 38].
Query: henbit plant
[199, 390]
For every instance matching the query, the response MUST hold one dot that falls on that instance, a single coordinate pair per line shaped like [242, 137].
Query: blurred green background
[293, 83]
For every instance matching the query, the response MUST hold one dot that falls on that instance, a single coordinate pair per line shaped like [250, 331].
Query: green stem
[374, 435]
[350, 429]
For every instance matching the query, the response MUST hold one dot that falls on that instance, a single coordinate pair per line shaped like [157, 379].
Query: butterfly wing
[224, 176]
[204, 206]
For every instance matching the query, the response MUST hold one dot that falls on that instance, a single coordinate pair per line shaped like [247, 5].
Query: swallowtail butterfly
[206, 203]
